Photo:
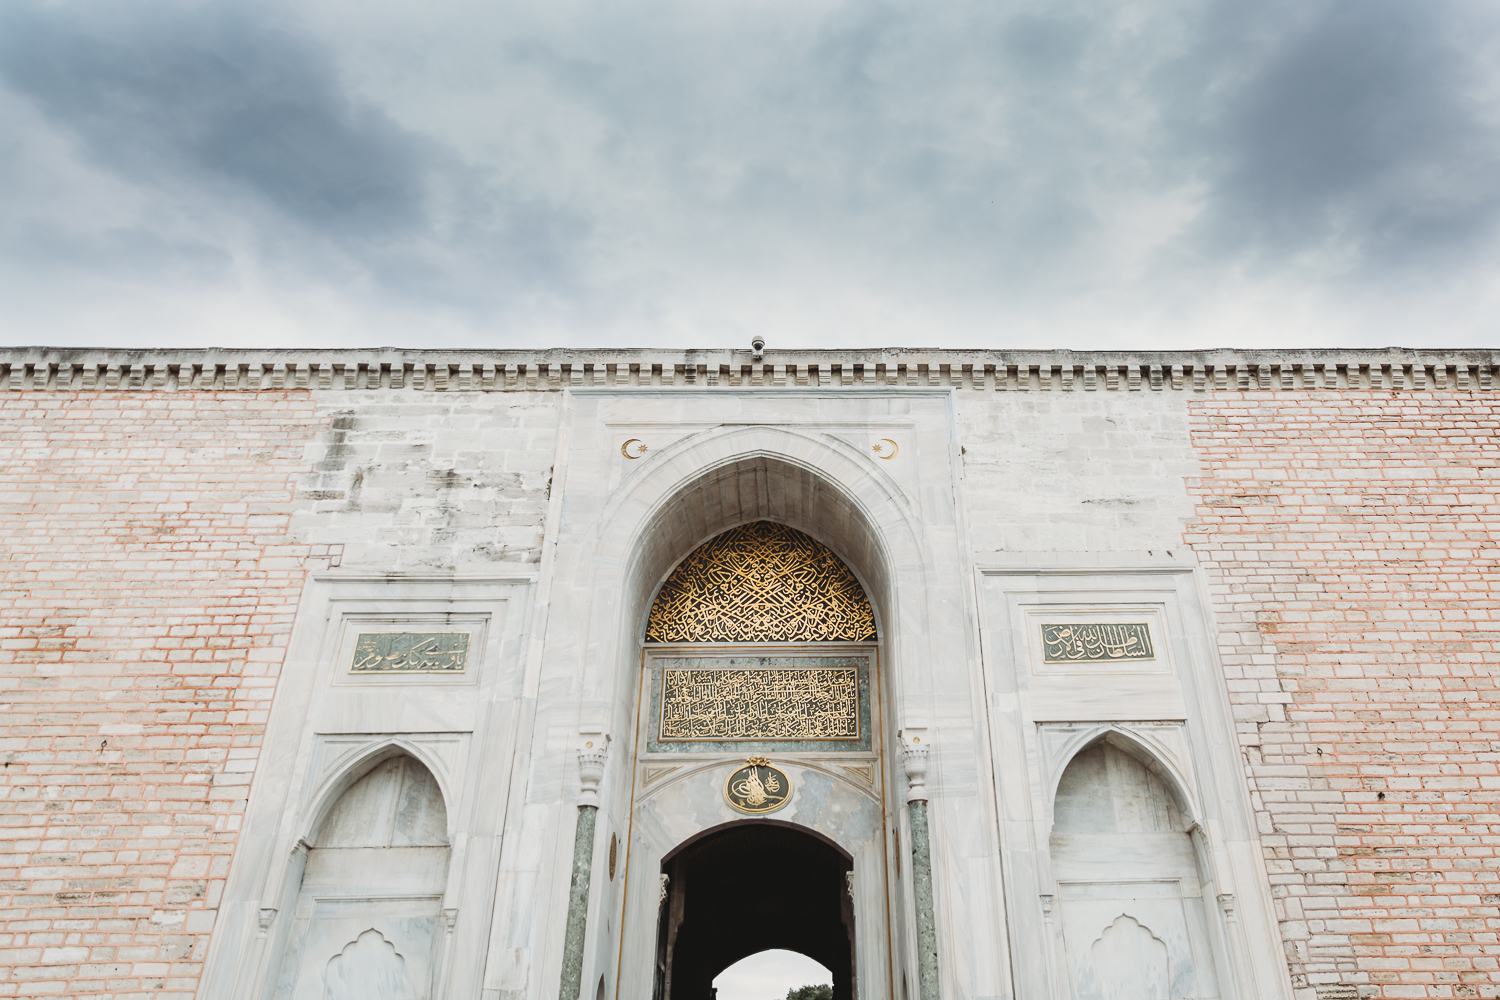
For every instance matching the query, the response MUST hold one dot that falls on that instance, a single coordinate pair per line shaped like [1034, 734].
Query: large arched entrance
[758, 809]
[748, 888]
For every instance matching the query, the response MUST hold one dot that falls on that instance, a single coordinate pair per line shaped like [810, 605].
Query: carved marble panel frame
[327, 730]
[1176, 720]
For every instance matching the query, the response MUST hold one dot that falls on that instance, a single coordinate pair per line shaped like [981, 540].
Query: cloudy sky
[1169, 173]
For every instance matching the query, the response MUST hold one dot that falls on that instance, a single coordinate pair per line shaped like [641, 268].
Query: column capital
[591, 771]
[914, 759]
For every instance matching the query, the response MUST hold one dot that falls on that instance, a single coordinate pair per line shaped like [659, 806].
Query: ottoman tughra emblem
[758, 787]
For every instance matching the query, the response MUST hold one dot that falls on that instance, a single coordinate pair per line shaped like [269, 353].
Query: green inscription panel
[410, 652]
[1097, 643]
[759, 703]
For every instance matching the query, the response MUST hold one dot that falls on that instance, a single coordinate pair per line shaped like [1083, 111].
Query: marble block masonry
[327, 674]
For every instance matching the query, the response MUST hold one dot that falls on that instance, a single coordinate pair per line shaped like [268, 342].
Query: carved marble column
[590, 771]
[915, 759]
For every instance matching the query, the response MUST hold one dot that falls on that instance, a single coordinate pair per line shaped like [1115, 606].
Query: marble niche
[366, 925]
[1130, 888]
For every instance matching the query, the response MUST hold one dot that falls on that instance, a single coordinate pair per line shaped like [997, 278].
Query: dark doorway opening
[747, 888]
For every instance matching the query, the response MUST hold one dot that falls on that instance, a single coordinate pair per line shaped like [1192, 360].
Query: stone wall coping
[215, 369]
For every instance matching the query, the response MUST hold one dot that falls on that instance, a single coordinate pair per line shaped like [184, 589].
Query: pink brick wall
[146, 595]
[1351, 539]
[148, 590]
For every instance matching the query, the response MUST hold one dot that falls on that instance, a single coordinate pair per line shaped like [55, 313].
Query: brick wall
[147, 594]
[148, 587]
[1351, 542]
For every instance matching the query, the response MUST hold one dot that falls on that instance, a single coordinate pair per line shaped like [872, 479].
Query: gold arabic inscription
[761, 582]
[404, 652]
[820, 703]
[1094, 643]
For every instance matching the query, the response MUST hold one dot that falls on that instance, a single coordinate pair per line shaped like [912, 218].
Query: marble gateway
[583, 675]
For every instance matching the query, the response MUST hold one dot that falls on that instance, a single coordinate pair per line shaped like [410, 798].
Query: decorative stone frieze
[89, 369]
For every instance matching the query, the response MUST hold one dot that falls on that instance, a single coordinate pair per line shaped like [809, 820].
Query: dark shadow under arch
[748, 887]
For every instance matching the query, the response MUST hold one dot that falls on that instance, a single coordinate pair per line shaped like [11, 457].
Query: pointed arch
[368, 883]
[616, 548]
[1131, 876]
[354, 768]
[396, 804]
[1154, 759]
[714, 480]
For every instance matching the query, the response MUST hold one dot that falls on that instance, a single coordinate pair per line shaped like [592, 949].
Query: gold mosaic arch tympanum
[761, 582]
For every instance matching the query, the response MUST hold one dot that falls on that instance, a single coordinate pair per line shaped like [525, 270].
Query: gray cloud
[1163, 172]
[208, 89]
[1364, 125]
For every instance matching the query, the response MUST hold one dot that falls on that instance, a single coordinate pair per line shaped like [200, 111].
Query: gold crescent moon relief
[635, 445]
[886, 448]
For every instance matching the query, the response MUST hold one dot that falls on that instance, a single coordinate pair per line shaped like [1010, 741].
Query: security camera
[758, 347]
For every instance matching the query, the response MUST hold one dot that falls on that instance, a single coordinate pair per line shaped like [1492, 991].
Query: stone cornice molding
[267, 370]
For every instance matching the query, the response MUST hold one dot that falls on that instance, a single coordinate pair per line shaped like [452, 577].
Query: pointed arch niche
[759, 487]
[1130, 880]
[366, 922]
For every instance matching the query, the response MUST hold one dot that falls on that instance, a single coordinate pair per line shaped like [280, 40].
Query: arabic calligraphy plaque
[1096, 643]
[410, 652]
[758, 787]
[792, 704]
[752, 702]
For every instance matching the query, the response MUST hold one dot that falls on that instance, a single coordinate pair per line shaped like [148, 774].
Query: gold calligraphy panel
[761, 582]
[1096, 643]
[409, 652]
[799, 703]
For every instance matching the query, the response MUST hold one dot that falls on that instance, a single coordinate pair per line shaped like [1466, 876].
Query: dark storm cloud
[205, 89]
[1363, 126]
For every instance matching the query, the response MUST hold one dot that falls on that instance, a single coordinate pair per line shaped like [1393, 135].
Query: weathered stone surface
[193, 541]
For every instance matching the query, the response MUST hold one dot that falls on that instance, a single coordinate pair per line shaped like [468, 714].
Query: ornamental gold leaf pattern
[761, 582]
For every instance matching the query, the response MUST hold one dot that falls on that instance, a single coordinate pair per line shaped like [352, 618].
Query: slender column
[921, 871]
[590, 771]
[1050, 951]
[1241, 974]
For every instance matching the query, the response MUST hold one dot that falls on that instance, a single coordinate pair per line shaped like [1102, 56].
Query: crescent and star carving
[634, 444]
[886, 445]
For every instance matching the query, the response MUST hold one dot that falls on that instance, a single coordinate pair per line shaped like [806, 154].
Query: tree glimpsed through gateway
[773, 974]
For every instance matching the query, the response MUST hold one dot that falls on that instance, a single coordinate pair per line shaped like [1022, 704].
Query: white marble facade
[410, 834]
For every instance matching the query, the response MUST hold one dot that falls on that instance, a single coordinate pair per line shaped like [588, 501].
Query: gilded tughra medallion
[758, 787]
